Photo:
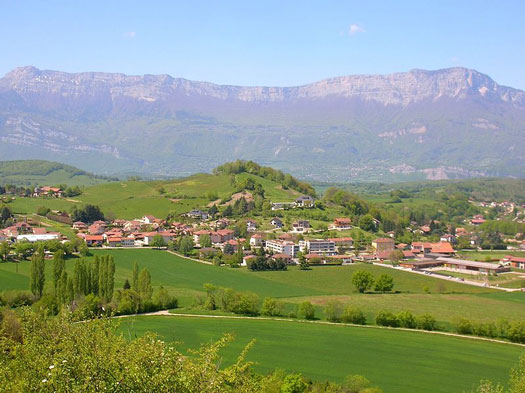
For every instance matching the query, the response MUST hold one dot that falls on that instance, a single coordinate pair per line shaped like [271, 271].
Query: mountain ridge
[448, 123]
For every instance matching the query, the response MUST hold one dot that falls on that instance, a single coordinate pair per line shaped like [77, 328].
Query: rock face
[446, 123]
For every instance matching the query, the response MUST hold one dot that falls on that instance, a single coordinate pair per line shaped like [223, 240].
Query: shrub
[271, 307]
[426, 322]
[362, 280]
[16, 298]
[464, 326]
[333, 311]
[384, 283]
[293, 383]
[516, 332]
[306, 310]
[407, 320]
[244, 303]
[386, 318]
[353, 315]
[163, 300]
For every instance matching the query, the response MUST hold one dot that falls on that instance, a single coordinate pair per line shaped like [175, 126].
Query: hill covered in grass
[133, 198]
[40, 172]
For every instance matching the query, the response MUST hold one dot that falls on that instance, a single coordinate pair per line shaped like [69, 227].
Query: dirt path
[166, 313]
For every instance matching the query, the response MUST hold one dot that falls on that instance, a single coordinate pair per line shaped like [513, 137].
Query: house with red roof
[341, 224]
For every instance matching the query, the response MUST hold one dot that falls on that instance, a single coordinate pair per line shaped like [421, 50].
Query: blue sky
[280, 43]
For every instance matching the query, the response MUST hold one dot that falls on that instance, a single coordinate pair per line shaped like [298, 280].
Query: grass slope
[185, 279]
[39, 172]
[131, 199]
[397, 361]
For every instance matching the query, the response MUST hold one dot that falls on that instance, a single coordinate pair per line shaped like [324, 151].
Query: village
[223, 240]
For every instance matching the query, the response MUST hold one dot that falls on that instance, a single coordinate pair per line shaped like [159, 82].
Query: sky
[269, 43]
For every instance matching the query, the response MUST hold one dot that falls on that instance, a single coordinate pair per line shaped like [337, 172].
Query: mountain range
[449, 123]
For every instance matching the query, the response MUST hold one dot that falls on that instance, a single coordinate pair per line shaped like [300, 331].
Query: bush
[271, 307]
[293, 383]
[163, 300]
[386, 318]
[384, 283]
[362, 280]
[516, 332]
[16, 298]
[244, 303]
[306, 311]
[47, 304]
[426, 322]
[464, 326]
[333, 311]
[353, 315]
[407, 320]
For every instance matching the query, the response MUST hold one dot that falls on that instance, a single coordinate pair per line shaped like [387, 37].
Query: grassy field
[132, 199]
[446, 300]
[397, 361]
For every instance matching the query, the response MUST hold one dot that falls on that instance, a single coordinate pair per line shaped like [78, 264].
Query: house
[207, 252]
[234, 243]
[276, 222]
[341, 224]
[282, 247]
[383, 244]
[149, 236]
[148, 219]
[221, 236]
[442, 248]
[38, 238]
[23, 227]
[301, 226]
[425, 229]
[304, 201]
[94, 240]
[343, 259]
[47, 191]
[80, 226]
[256, 240]
[461, 232]
[448, 238]
[198, 214]
[383, 255]
[516, 262]
[282, 205]
[96, 229]
[197, 235]
[39, 231]
[251, 225]
[283, 257]
[407, 254]
[318, 246]
[434, 248]
[114, 241]
[128, 241]
[342, 242]
[247, 258]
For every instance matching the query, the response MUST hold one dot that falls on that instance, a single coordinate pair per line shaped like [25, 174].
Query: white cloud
[355, 28]
[129, 34]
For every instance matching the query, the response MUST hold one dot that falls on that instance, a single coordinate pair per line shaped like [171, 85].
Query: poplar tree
[58, 267]
[145, 288]
[135, 277]
[61, 289]
[111, 278]
[38, 277]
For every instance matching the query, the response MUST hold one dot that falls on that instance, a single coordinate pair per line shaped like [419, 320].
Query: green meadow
[446, 300]
[396, 361]
[132, 199]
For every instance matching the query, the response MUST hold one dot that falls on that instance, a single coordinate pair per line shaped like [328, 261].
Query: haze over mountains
[447, 123]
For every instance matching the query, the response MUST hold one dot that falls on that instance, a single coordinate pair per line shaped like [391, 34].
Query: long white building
[282, 247]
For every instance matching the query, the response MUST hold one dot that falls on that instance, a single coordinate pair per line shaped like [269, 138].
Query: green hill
[39, 172]
[130, 199]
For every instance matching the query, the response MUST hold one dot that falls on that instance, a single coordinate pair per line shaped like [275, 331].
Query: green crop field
[396, 361]
[446, 300]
